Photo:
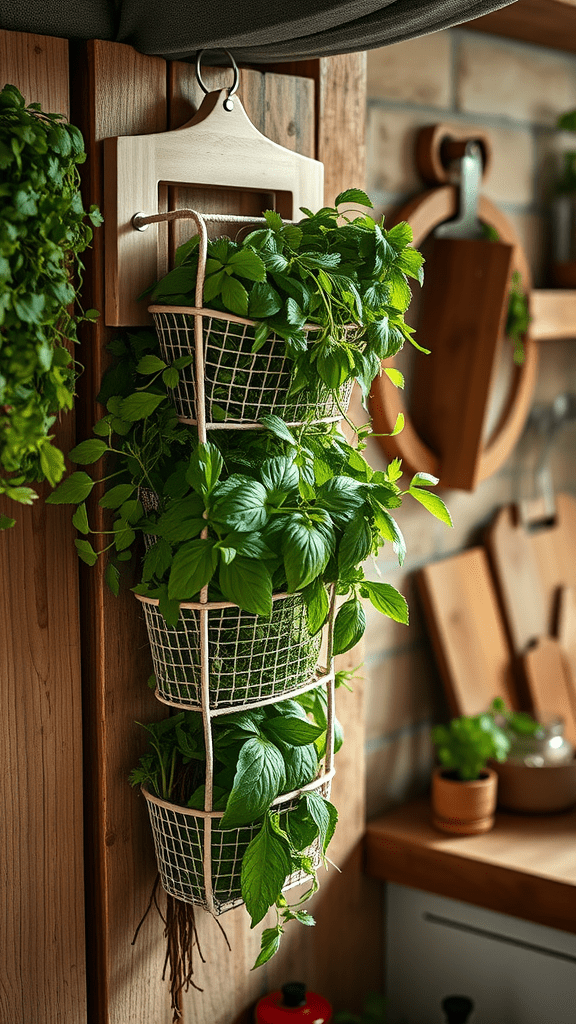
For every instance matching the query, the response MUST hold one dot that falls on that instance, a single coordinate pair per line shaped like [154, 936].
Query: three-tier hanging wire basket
[220, 659]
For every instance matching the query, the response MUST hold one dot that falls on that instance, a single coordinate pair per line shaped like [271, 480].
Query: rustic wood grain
[219, 147]
[424, 213]
[544, 22]
[42, 957]
[341, 126]
[116, 91]
[289, 114]
[467, 632]
[524, 867]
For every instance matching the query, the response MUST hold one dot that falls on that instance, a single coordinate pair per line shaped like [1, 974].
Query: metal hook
[228, 102]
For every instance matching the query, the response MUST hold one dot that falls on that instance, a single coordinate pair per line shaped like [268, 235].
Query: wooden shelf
[553, 313]
[524, 867]
[545, 22]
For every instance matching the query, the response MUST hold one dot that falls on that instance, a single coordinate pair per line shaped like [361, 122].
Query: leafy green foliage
[43, 230]
[520, 723]
[321, 273]
[466, 744]
[258, 755]
[518, 317]
[293, 509]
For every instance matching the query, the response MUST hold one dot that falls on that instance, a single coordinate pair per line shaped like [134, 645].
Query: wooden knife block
[464, 306]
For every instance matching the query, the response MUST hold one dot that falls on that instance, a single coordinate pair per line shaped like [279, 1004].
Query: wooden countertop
[526, 866]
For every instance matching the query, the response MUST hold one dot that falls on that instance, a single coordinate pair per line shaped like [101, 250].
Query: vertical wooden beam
[342, 122]
[116, 91]
[42, 962]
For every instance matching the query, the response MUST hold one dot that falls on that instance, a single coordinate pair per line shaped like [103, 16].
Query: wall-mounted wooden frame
[219, 148]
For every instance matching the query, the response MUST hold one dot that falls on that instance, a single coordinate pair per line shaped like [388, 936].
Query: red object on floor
[293, 1005]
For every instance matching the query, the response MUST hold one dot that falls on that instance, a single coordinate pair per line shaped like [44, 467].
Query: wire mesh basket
[249, 659]
[200, 863]
[240, 386]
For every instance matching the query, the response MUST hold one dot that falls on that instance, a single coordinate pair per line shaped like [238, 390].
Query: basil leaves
[258, 755]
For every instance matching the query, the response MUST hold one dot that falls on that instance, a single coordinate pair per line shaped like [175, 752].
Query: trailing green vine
[43, 230]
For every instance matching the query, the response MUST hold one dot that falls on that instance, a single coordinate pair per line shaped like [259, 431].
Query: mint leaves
[320, 273]
[43, 230]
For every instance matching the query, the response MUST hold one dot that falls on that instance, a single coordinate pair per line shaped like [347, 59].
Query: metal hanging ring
[233, 64]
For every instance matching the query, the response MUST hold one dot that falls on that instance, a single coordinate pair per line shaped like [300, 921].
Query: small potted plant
[464, 788]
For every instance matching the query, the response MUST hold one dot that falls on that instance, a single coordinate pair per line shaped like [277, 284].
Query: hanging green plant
[332, 289]
[258, 843]
[43, 230]
[286, 509]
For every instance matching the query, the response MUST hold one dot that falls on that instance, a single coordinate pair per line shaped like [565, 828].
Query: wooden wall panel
[342, 122]
[116, 91]
[42, 959]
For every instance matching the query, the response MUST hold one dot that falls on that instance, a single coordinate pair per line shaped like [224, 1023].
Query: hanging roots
[182, 936]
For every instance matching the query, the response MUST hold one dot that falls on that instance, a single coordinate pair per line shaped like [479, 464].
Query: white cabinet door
[515, 972]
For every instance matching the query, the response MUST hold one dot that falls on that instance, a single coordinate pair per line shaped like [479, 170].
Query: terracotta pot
[463, 808]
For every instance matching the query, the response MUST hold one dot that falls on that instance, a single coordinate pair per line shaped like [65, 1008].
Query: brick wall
[514, 91]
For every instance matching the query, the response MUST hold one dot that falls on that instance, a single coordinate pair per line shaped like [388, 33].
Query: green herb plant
[466, 744]
[520, 723]
[518, 317]
[258, 755]
[320, 272]
[286, 509]
[43, 230]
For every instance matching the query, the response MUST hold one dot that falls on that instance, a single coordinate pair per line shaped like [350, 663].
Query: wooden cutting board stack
[503, 619]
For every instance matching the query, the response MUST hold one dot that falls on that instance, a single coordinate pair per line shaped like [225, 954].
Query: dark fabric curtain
[264, 31]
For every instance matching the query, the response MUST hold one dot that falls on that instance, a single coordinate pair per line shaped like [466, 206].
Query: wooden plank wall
[42, 958]
[116, 91]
